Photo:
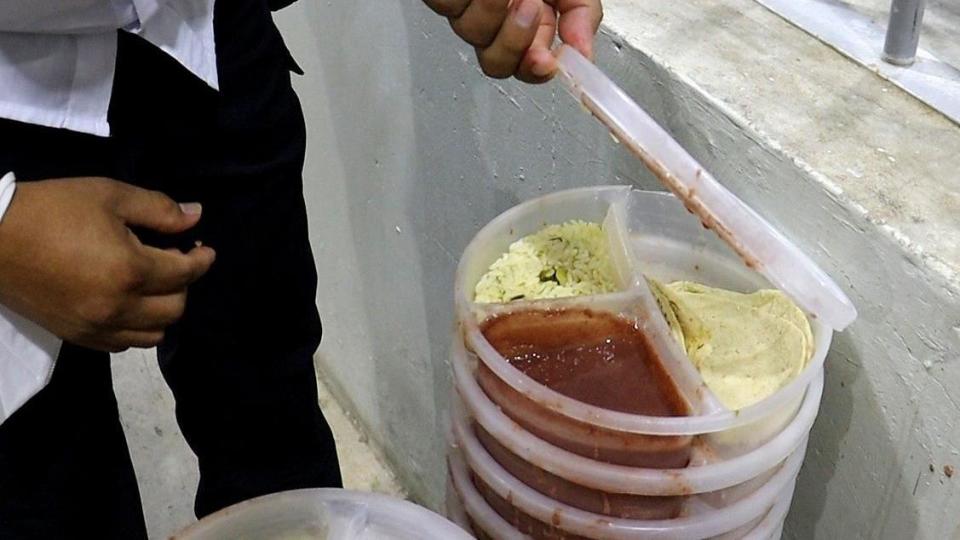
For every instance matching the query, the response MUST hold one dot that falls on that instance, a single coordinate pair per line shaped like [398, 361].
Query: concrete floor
[167, 469]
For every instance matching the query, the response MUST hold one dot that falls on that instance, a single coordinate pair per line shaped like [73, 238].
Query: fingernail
[191, 208]
[588, 52]
[541, 69]
[528, 11]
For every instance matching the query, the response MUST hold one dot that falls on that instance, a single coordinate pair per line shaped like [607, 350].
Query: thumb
[154, 210]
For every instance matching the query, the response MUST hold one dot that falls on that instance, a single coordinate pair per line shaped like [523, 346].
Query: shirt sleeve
[27, 351]
[67, 16]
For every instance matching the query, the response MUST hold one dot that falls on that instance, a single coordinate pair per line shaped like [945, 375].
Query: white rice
[570, 259]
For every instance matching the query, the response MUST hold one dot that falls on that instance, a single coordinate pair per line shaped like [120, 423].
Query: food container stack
[585, 416]
[624, 439]
[632, 364]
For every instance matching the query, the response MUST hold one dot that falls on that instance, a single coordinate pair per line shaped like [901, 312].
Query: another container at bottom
[309, 514]
[542, 517]
[467, 507]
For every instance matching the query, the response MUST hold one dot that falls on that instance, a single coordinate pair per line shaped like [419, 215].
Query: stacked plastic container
[553, 467]
[526, 460]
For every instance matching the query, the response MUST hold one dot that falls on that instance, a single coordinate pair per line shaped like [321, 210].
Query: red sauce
[597, 358]
[600, 359]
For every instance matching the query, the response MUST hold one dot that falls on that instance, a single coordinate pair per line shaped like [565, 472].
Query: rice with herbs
[570, 259]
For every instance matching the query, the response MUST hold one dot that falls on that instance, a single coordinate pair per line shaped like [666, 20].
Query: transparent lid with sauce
[759, 245]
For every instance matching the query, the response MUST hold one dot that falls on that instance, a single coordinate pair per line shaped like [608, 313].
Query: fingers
[502, 58]
[142, 320]
[125, 339]
[579, 21]
[170, 271]
[479, 24]
[139, 339]
[538, 64]
[515, 37]
[154, 210]
[153, 313]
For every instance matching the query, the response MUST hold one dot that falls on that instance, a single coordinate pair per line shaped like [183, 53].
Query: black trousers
[239, 363]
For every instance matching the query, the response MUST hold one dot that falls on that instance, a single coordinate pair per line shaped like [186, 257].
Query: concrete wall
[412, 150]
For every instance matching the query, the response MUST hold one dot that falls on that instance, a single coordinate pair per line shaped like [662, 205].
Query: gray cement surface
[167, 469]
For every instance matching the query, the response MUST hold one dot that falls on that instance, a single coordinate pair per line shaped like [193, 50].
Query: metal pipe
[903, 31]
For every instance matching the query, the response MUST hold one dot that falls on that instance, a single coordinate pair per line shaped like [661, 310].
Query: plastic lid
[760, 246]
[336, 514]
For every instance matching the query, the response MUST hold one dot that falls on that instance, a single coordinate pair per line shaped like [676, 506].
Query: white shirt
[57, 61]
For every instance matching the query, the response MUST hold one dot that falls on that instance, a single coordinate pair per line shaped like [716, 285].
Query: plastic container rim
[387, 511]
[574, 520]
[634, 480]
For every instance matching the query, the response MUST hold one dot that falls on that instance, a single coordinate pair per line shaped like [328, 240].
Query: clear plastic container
[630, 217]
[540, 516]
[310, 514]
[487, 524]
[627, 491]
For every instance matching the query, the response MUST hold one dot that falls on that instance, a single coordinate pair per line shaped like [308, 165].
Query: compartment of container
[670, 244]
[594, 355]
[541, 516]
[595, 204]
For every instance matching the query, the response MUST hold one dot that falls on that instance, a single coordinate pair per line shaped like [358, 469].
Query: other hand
[69, 261]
